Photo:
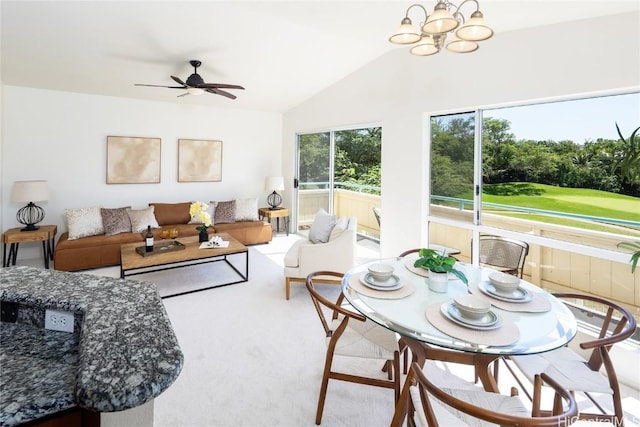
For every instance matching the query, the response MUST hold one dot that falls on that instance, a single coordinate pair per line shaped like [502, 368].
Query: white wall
[399, 90]
[61, 137]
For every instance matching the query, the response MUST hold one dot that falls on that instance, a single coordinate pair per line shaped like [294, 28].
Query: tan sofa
[103, 250]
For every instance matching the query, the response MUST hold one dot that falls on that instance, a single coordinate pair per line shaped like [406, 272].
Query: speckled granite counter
[123, 354]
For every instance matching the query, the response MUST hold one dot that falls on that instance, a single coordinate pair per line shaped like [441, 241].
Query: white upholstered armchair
[338, 254]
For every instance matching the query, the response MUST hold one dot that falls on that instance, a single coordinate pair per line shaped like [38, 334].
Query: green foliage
[635, 256]
[438, 263]
[628, 158]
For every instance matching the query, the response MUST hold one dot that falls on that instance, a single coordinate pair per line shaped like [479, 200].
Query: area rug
[253, 358]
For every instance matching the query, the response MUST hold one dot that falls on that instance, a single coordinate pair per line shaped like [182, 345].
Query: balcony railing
[551, 268]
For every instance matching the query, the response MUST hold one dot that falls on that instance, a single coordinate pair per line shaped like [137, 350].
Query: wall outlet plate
[57, 320]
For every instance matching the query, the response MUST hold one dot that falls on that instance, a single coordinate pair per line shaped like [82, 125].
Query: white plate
[519, 295]
[492, 320]
[389, 285]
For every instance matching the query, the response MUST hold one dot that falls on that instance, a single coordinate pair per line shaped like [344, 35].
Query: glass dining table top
[538, 331]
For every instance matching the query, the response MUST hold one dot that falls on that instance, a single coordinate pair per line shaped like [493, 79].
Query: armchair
[305, 257]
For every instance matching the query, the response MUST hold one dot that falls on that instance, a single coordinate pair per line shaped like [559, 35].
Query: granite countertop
[124, 354]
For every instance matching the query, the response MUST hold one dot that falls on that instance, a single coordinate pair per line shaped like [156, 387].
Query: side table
[277, 214]
[46, 234]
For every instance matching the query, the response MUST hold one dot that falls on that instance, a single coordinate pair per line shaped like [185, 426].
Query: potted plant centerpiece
[439, 265]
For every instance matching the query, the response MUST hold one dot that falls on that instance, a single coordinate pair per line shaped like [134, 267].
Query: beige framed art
[199, 160]
[132, 160]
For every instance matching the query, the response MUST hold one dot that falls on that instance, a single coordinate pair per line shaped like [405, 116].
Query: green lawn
[568, 200]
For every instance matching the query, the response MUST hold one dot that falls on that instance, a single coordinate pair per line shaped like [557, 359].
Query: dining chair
[349, 333]
[446, 403]
[504, 254]
[578, 374]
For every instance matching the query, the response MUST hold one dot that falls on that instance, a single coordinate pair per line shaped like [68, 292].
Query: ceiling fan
[195, 85]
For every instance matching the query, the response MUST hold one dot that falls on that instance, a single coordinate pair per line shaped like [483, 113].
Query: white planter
[438, 282]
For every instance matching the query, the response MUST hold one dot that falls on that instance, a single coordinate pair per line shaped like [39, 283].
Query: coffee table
[132, 263]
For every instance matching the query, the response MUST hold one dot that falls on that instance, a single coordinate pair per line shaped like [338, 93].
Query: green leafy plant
[635, 255]
[438, 263]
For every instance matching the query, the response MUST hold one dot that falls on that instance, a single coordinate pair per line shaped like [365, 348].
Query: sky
[576, 120]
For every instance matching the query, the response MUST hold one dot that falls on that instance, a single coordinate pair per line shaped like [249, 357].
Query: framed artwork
[199, 161]
[132, 160]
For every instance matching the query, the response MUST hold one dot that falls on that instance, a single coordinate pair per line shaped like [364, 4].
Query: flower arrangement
[198, 211]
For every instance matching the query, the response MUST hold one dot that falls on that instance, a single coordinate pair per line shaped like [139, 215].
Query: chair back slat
[509, 254]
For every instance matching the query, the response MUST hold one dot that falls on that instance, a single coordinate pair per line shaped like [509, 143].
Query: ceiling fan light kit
[195, 84]
[431, 36]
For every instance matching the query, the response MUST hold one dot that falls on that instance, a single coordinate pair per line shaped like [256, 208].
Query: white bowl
[381, 272]
[504, 282]
[471, 307]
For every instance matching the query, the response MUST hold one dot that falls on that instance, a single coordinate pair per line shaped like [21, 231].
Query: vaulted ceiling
[282, 52]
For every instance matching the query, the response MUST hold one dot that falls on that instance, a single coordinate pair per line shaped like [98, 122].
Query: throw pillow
[171, 213]
[340, 227]
[115, 221]
[211, 210]
[84, 222]
[322, 226]
[141, 218]
[247, 209]
[225, 212]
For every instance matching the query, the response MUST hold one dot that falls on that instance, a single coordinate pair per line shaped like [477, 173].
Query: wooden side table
[277, 214]
[46, 234]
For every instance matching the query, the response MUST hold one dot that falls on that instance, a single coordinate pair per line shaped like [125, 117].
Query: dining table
[528, 321]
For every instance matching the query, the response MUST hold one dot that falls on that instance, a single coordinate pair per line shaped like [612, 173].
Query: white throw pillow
[322, 226]
[340, 227]
[141, 218]
[84, 222]
[247, 209]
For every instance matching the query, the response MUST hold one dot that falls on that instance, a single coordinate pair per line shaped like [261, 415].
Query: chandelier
[446, 18]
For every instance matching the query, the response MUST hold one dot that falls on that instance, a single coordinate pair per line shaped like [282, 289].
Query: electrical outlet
[58, 320]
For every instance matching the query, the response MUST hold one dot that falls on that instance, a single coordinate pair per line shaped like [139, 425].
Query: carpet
[253, 358]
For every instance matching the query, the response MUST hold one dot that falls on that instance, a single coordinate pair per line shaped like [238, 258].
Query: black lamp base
[274, 200]
[29, 216]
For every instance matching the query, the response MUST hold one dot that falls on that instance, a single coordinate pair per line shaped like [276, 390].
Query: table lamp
[30, 192]
[274, 183]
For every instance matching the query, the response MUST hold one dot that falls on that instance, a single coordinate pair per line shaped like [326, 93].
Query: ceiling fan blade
[184, 94]
[221, 92]
[177, 80]
[169, 87]
[218, 86]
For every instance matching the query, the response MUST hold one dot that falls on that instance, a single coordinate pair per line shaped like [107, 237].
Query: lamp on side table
[275, 183]
[30, 192]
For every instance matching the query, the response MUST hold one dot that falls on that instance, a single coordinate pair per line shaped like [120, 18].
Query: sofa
[95, 234]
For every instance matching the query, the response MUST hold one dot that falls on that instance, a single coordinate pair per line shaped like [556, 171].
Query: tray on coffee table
[161, 248]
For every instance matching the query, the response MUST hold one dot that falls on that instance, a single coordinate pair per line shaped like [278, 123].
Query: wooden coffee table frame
[132, 263]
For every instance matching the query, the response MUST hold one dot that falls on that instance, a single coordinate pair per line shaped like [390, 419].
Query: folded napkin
[214, 242]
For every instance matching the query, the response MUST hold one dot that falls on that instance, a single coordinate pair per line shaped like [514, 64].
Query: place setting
[470, 318]
[505, 292]
[379, 281]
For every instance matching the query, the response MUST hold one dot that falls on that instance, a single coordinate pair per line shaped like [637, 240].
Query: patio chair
[349, 333]
[449, 403]
[578, 374]
[504, 254]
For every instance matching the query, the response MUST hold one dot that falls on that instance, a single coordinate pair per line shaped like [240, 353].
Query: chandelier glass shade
[431, 36]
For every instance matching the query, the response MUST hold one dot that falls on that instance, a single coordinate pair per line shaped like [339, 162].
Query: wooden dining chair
[504, 254]
[578, 374]
[449, 404]
[349, 333]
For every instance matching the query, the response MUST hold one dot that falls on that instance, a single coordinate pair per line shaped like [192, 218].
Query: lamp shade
[273, 183]
[29, 191]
